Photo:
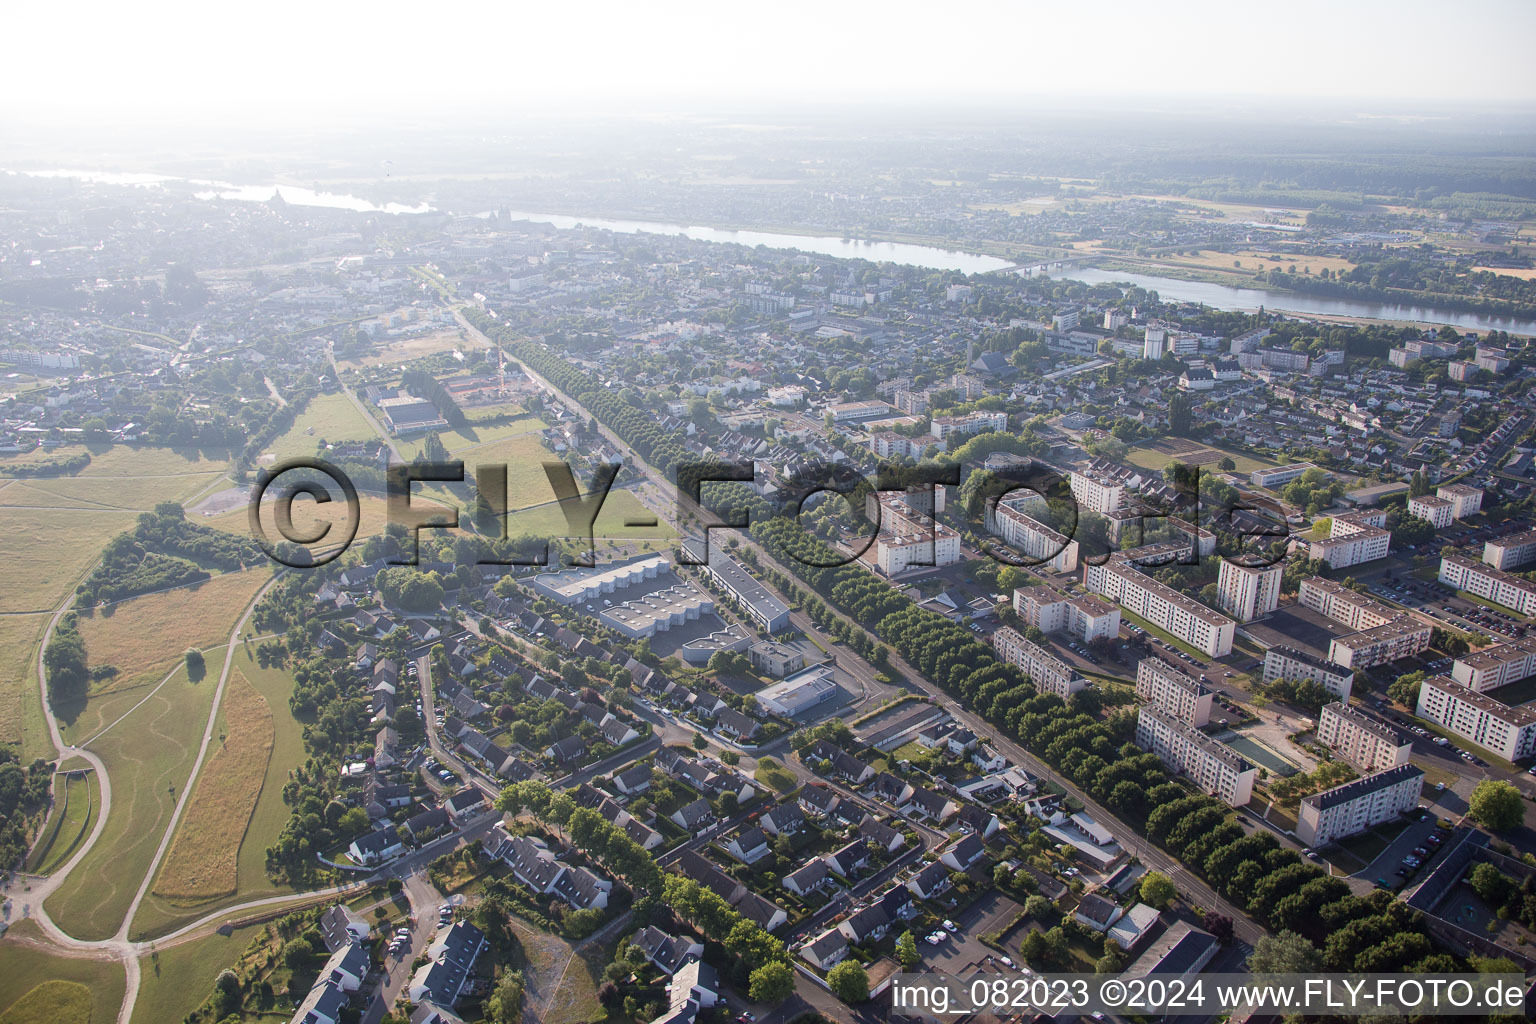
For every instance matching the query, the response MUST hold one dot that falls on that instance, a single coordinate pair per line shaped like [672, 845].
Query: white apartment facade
[1045, 546]
[1210, 764]
[1293, 663]
[1465, 500]
[1354, 538]
[1364, 742]
[1096, 493]
[1510, 552]
[1167, 609]
[1352, 808]
[1509, 732]
[1497, 666]
[1246, 592]
[909, 539]
[1174, 690]
[1049, 673]
[1433, 509]
[1082, 615]
[1488, 583]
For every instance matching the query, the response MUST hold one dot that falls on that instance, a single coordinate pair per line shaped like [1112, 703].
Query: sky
[167, 60]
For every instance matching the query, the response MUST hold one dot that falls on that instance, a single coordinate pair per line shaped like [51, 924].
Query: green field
[549, 521]
[469, 442]
[68, 825]
[180, 977]
[149, 759]
[21, 706]
[22, 967]
[46, 552]
[1153, 459]
[329, 418]
[157, 915]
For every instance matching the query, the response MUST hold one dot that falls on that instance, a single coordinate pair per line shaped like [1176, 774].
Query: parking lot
[991, 913]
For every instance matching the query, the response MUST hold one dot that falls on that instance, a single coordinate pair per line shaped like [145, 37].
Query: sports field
[328, 418]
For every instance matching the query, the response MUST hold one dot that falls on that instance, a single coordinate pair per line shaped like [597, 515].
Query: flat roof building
[1210, 764]
[1489, 583]
[1510, 552]
[1364, 742]
[1049, 673]
[1174, 690]
[1352, 808]
[794, 695]
[580, 586]
[1187, 619]
[1293, 663]
[1509, 732]
[1496, 666]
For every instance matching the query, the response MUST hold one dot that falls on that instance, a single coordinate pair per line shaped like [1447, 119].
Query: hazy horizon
[309, 65]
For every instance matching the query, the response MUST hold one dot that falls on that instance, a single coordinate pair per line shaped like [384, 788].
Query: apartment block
[1355, 537]
[1174, 690]
[1210, 764]
[1049, 673]
[1051, 611]
[1356, 806]
[1488, 583]
[1164, 607]
[1279, 476]
[1465, 500]
[1512, 551]
[1509, 732]
[909, 538]
[1293, 663]
[1433, 509]
[1246, 592]
[1043, 545]
[1403, 637]
[1096, 492]
[1496, 666]
[1363, 741]
[1342, 604]
[946, 427]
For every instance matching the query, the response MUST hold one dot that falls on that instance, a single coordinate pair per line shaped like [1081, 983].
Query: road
[1245, 927]
[35, 891]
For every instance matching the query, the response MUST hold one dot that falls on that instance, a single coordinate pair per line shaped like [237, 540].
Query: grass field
[409, 349]
[68, 825]
[122, 460]
[1158, 454]
[473, 442]
[780, 778]
[330, 418]
[149, 758]
[27, 493]
[143, 637]
[139, 494]
[52, 1002]
[200, 864]
[177, 980]
[22, 967]
[549, 521]
[1523, 273]
[46, 551]
[21, 709]
[269, 815]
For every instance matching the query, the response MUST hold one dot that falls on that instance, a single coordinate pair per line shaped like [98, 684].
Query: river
[1221, 296]
[1217, 296]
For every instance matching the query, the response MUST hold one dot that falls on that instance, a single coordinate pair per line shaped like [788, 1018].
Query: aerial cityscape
[732, 554]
